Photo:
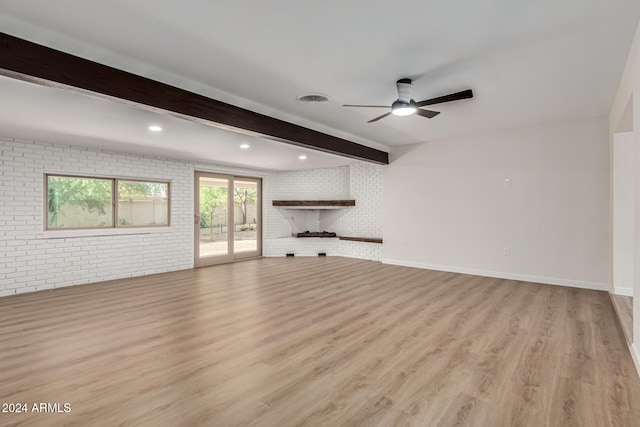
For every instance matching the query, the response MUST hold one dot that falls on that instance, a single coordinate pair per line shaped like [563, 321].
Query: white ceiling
[526, 61]
[33, 112]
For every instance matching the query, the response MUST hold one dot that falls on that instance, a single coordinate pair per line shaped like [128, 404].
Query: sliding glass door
[227, 218]
[245, 195]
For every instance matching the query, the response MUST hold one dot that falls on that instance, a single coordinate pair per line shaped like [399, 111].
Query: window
[142, 204]
[75, 202]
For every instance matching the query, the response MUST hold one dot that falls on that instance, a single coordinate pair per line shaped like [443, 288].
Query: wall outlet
[506, 251]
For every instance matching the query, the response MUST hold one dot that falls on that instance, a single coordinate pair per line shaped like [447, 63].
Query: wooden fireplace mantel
[314, 204]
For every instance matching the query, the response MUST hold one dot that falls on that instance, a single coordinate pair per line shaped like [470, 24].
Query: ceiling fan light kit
[402, 109]
[406, 106]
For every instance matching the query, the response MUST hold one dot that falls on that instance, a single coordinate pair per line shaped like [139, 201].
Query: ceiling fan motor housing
[405, 88]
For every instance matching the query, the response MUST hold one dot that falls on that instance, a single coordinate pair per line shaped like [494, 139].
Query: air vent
[313, 98]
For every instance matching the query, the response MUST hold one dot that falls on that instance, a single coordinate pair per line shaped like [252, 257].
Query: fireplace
[317, 234]
[312, 218]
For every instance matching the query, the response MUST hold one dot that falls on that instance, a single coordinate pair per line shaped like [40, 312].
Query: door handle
[196, 219]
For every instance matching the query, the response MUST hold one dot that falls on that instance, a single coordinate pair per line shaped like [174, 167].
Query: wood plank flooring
[316, 342]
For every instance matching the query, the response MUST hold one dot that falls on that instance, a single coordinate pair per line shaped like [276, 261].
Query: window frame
[114, 201]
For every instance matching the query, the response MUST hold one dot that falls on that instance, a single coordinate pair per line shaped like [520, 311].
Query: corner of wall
[635, 355]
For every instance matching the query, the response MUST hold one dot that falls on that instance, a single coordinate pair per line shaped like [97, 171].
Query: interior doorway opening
[624, 194]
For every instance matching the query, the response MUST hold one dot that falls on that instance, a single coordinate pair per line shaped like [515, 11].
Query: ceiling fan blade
[379, 117]
[447, 98]
[370, 106]
[427, 113]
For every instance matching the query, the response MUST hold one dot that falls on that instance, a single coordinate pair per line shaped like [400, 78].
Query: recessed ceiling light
[302, 157]
[244, 146]
[155, 128]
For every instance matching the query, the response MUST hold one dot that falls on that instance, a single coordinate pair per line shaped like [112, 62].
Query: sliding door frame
[231, 254]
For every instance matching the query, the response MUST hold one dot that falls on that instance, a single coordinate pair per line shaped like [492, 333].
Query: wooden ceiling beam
[32, 62]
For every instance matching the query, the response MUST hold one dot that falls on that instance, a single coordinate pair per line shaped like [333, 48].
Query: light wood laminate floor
[317, 342]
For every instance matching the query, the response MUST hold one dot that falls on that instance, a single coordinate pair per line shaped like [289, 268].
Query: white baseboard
[635, 355]
[502, 275]
[627, 292]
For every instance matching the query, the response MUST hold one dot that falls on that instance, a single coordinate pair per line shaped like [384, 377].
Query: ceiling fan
[406, 106]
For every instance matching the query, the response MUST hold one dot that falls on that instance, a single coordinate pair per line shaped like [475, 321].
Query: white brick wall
[32, 259]
[365, 218]
[311, 184]
[359, 181]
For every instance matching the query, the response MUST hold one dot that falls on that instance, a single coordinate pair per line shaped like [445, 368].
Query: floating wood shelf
[362, 239]
[314, 204]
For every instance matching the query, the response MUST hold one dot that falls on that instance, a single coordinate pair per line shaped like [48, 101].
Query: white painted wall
[628, 91]
[623, 214]
[553, 214]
